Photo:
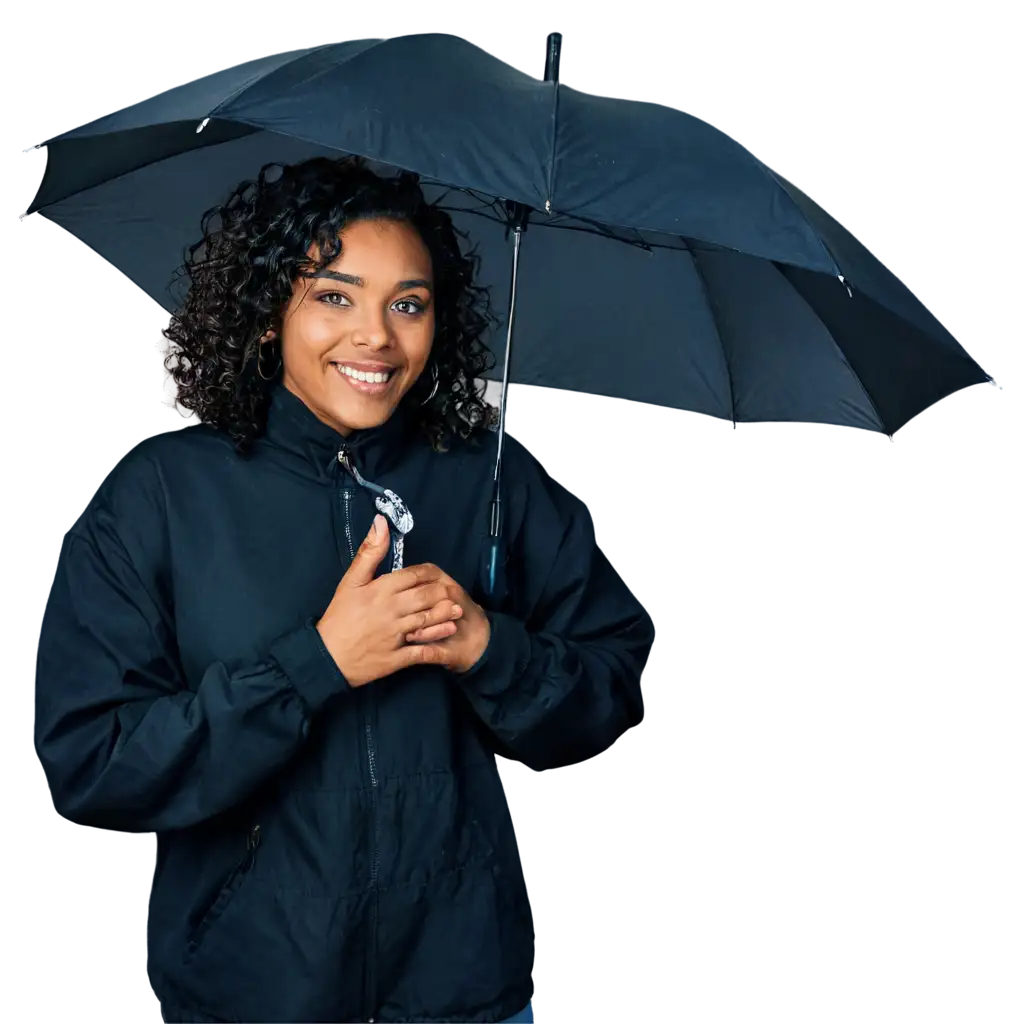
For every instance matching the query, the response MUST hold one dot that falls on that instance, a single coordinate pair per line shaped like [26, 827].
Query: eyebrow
[335, 275]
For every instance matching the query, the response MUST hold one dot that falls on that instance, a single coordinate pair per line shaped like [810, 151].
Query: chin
[358, 417]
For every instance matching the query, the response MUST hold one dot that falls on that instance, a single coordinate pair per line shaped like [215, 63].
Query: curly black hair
[256, 244]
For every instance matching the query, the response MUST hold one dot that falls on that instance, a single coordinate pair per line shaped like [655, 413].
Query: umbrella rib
[597, 228]
[602, 229]
[744, 148]
[270, 74]
[43, 212]
[617, 396]
[142, 166]
[261, 77]
[718, 334]
[492, 205]
[893, 272]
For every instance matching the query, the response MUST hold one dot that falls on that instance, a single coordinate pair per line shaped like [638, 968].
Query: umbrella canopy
[478, 121]
[654, 258]
[661, 261]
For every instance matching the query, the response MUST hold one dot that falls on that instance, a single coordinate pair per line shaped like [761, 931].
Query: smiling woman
[229, 659]
[330, 335]
[264, 302]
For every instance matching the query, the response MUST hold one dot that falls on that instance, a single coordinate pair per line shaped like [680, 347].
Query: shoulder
[527, 475]
[535, 503]
[129, 507]
[126, 518]
[483, 447]
[519, 466]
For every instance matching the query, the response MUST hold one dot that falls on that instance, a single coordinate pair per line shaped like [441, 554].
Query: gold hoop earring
[433, 392]
[259, 352]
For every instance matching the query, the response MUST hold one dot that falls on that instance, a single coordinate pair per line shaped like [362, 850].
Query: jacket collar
[293, 427]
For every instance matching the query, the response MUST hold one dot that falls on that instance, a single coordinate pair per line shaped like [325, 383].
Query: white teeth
[374, 378]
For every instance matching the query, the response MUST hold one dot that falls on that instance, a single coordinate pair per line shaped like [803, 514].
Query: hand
[468, 640]
[365, 626]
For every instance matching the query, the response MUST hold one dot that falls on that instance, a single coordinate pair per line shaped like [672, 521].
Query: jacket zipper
[252, 840]
[371, 757]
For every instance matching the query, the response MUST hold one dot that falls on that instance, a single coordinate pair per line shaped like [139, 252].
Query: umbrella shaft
[508, 354]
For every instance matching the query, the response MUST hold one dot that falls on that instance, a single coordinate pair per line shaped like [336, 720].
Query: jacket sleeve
[123, 742]
[559, 680]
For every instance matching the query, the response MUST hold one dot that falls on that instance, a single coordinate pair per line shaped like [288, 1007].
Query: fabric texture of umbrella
[653, 232]
[746, 300]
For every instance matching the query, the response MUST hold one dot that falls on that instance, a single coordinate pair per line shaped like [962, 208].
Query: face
[370, 310]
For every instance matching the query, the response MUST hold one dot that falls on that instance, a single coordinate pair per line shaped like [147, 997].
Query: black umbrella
[747, 301]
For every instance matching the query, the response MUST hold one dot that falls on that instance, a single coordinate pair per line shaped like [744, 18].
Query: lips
[364, 386]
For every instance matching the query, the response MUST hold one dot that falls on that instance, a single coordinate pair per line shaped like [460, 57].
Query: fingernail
[456, 609]
[378, 526]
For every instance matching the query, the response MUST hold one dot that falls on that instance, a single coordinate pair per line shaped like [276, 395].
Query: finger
[373, 548]
[424, 654]
[411, 576]
[422, 598]
[438, 632]
[443, 611]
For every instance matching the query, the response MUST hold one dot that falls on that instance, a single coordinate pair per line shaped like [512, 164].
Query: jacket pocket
[225, 894]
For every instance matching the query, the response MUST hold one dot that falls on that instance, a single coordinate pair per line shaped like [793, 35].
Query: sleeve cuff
[504, 659]
[308, 664]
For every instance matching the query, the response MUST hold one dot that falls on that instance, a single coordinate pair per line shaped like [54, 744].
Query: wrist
[485, 639]
[504, 659]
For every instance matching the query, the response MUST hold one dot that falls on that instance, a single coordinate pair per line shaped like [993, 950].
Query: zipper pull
[252, 840]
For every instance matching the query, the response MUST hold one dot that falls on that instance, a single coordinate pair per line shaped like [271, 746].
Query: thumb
[368, 555]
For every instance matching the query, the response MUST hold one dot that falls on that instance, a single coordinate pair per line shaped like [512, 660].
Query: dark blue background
[827, 610]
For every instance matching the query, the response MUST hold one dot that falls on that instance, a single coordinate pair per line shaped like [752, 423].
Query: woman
[297, 694]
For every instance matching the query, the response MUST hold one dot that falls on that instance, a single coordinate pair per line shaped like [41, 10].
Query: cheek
[421, 341]
[311, 332]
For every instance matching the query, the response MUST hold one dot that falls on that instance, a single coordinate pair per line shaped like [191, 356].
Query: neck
[293, 425]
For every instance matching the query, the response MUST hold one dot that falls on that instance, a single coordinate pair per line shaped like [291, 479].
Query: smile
[366, 383]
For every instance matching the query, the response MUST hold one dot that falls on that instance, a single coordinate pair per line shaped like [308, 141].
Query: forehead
[380, 241]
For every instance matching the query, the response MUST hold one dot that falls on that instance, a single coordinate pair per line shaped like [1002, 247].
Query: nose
[373, 330]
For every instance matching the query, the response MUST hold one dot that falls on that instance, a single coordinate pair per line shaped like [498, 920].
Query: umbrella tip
[553, 57]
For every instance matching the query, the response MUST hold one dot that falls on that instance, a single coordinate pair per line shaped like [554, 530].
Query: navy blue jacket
[324, 852]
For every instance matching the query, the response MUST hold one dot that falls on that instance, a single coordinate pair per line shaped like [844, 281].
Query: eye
[324, 296]
[418, 306]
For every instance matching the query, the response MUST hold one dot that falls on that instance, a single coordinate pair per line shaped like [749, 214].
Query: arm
[124, 744]
[559, 680]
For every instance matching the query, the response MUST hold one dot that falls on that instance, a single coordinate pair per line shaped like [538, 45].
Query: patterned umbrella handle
[392, 506]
